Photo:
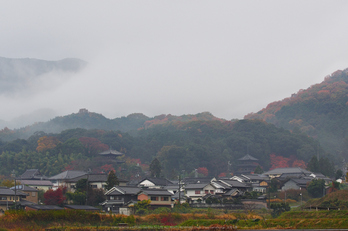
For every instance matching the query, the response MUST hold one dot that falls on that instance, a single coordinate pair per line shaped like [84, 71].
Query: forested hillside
[207, 145]
[320, 111]
[90, 120]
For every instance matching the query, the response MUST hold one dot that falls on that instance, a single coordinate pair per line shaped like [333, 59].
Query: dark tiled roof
[157, 181]
[231, 192]
[235, 183]
[67, 175]
[197, 180]
[156, 192]
[45, 207]
[81, 207]
[196, 186]
[111, 153]
[296, 170]
[34, 174]
[301, 182]
[94, 177]
[122, 190]
[255, 177]
[247, 157]
[8, 192]
[36, 182]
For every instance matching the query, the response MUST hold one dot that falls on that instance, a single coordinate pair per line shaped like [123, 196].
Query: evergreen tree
[313, 164]
[155, 168]
[316, 188]
[258, 170]
[112, 180]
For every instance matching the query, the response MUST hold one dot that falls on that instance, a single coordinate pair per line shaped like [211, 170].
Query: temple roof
[248, 157]
[111, 153]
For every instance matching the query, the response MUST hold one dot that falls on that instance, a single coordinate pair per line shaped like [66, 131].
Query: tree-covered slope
[91, 120]
[321, 111]
[209, 145]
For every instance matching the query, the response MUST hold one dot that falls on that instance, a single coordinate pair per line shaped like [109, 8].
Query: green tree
[258, 170]
[112, 180]
[338, 174]
[313, 164]
[81, 185]
[316, 188]
[155, 168]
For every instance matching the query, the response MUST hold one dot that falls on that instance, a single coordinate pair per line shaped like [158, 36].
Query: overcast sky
[174, 57]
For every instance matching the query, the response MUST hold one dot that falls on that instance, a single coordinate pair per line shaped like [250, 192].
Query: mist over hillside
[320, 111]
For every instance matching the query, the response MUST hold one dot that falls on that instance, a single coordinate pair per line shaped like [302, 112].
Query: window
[164, 199]
[33, 194]
[94, 186]
[211, 191]
[111, 197]
[206, 191]
[4, 198]
[154, 198]
[197, 192]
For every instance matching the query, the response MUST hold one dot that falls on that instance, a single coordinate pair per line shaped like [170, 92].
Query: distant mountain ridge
[18, 74]
[321, 111]
[91, 120]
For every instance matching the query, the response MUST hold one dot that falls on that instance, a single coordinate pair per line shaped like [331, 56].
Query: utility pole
[14, 176]
[179, 189]
[88, 172]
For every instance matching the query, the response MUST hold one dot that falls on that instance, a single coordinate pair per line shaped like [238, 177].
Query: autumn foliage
[54, 197]
[283, 162]
[46, 143]
[203, 171]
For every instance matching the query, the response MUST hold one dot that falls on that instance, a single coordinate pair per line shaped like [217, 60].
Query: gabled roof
[247, 157]
[24, 188]
[196, 186]
[36, 182]
[280, 171]
[67, 175]
[157, 181]
[301, 182]
[34, 174]
[123, 190]
[111, 153]
[93, 177]
[260, 177]
[235, 184]
[232, 192]
[9, 192]
[155, 192]
[198, 180]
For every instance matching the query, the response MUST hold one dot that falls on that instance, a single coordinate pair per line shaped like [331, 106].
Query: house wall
[142, 197]
[41, 187]
[202, 192]
[160, 200]
[32, 197]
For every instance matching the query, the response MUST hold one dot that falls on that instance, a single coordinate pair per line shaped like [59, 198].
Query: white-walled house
[198, 191]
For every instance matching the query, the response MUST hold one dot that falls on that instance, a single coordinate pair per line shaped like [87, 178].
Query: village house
[60, 180]
[152, 182]
[119, 196]
[38, 184]
[9, 197]
[31, 193]
[158, 197]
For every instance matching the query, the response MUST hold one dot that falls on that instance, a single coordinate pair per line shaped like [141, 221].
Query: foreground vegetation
[81, 220]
